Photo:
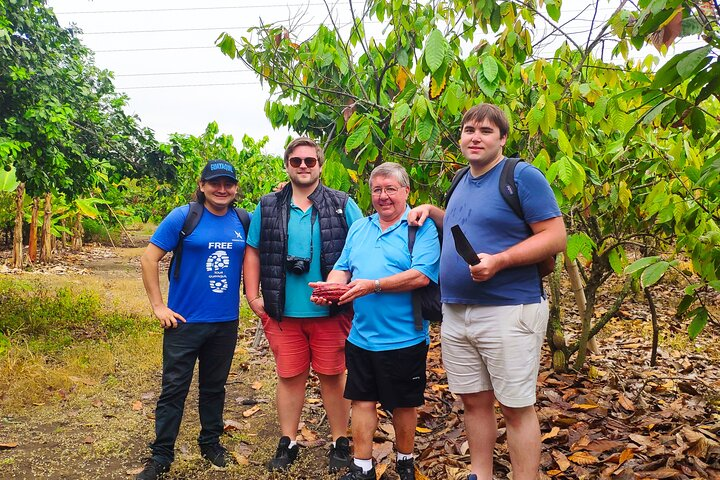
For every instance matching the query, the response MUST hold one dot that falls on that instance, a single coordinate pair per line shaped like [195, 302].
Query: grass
[53, 341]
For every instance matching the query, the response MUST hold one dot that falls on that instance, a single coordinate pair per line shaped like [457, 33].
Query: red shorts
[298, 342]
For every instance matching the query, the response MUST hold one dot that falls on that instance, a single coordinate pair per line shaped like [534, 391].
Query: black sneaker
[284, 455]
[152, 470]
[356, 473]
[406, 469]
[339, 455]
[215, 454]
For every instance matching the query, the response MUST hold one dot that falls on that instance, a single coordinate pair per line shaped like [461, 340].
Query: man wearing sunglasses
[295, 237]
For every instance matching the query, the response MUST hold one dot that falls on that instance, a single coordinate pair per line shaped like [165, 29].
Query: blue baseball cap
[216, 169]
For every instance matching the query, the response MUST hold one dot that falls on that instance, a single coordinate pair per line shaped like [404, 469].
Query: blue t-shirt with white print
[208, 288]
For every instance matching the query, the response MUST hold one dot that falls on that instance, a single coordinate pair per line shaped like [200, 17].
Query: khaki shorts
[494, 348]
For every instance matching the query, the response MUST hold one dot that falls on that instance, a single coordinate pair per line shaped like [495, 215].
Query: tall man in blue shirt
[385, 353]
[495, 313]
[201, 316]
[295, 237]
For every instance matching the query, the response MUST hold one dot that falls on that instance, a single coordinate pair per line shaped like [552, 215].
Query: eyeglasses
[295, 162]
[390, 191]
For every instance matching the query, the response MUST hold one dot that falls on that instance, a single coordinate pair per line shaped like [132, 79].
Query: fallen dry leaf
[8, 445]
[257, 385]
[232, 425]
[137, 405]
[251, 411]
[551, 434]
[582, 458]
[562, 461]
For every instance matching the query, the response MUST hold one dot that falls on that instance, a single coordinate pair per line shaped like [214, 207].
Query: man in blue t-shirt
[201, 316]
[295, 237]
[385, 353]
[495, 313]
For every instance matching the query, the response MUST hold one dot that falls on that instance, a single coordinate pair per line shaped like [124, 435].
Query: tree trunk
[32, 241]
[77, 241]
[63, 235]
[576, 284]
[555, 335]
[17, 233]
[46, 236]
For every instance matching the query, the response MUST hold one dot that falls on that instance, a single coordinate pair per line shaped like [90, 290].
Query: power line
[245, 27]
[190, 8]
[186, 86]
[179, 73]
[151, 49]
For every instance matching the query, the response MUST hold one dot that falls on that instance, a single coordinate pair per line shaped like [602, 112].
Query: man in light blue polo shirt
[385, 354]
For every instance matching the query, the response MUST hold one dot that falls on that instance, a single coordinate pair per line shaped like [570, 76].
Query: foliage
[258, 173]
[63, 125]
[627, 173]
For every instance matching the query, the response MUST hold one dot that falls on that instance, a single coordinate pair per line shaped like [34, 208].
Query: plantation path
[619, 419]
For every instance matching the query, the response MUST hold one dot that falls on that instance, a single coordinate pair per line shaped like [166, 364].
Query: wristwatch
[377, 286]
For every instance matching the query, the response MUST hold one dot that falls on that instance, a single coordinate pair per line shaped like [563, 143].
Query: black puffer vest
[275, 213]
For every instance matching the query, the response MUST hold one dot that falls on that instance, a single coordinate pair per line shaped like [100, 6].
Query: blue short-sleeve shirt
[300, 226]
[208, 288]
[492, 227]
[385, 321]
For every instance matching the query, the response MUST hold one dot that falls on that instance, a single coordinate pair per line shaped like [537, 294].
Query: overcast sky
[164, 58]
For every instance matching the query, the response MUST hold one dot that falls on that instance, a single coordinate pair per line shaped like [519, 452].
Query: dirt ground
[619, 418]
[100, 430]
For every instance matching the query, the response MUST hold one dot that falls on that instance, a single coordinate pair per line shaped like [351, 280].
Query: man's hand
[358, 288]
[257, 305]
[416, 216]
[487, 268]
[168, 318]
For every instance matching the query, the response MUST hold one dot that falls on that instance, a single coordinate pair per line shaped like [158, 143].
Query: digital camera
[297, 265]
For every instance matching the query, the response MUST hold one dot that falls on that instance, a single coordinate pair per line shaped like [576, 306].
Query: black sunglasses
[295, 162]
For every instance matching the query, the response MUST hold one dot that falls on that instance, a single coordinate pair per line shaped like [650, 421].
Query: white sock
[404, 456]
[292, 443]
[366, 465]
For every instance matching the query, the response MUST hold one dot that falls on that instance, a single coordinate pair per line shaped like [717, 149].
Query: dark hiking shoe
[215, 454]
[406, 469]
[356, 473]
[284, 455]
[152, 470]
[339, 455]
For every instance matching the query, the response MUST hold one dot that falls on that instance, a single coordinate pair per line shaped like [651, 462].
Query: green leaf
[487, 87]
[357, 137]
[425, 128]
[564, 143]
[697, 123]
[698, 323]
[653, 273]
[579, 243]
[400, 113]
[640, 264]
[8, 181]
[684, 304]
[688, 65]
[436, 48]
[615, 261]
[490, 68]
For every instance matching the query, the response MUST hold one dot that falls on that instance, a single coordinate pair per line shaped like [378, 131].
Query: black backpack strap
[416, 299]
[508, 188]
[244, 219]
[453, 185]
[191, 221]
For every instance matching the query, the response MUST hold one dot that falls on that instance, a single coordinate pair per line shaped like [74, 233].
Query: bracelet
[377, 286]
[256, 298]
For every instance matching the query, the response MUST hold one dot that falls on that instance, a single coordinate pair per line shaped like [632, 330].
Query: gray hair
[391, 169]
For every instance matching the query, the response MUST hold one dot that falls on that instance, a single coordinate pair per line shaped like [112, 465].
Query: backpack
[425, 300]
[191, 221]
[508, 191]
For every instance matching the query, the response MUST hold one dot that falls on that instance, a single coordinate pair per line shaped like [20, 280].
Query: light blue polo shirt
[385, 321]
[297, 291]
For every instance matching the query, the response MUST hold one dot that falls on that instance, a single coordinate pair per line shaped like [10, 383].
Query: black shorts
[395, 378]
